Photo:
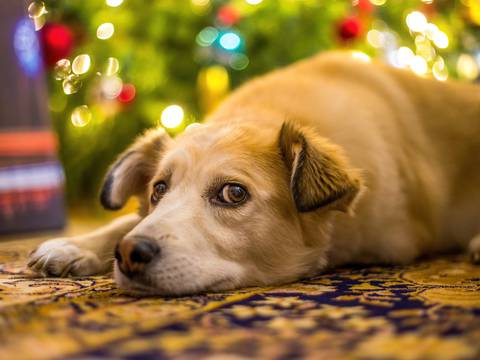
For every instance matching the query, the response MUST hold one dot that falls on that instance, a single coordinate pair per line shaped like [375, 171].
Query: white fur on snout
[61, 257]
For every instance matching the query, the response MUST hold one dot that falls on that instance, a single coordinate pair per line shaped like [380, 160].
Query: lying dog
[326, 162]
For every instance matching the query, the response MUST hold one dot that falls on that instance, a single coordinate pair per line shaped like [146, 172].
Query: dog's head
[226, 206]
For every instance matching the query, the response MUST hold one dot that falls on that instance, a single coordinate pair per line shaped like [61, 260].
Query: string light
[71, 84]
[111, 86]
[467, 68]
[172, 116]
[114, 3]
[375, 38]
[404, 56]
[207, 36]
[81, 116]
[378, 2]
[61, 69]
[105, 31]
[440, 40]
[81, 64]
[39, 22]
[253, 2]
[419, 65]
[112, 66]
[238, 61]
[36, 9]
[230, 41]
[416, 21]
[201, 2]
[439, 70]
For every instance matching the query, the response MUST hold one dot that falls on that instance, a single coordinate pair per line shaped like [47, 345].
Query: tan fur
[395, 153]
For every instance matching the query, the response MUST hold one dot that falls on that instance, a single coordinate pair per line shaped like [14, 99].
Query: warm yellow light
[36, 9]
[253, 2]
[378, 2]
[81, 116]
[114, 3]
[216, 79]
[375, 38]
[440, 39]
[419, 66]
[172, 116]
[105, 31]
[467, 67]
[439, 70]
[111, 86]
[416, 21]
[361, 56]
[111, 67]
[404, 56]
[81, 64]
[200, 2]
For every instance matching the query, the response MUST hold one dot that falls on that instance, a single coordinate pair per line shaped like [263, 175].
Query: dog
[329, 161]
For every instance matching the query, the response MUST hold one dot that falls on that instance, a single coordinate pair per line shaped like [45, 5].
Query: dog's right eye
[159, 189]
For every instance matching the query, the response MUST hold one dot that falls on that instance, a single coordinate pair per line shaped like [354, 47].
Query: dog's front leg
[87, 254]
[474, 249]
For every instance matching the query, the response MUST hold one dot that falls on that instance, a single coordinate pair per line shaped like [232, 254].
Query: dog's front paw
[474, 250]
[61, 257]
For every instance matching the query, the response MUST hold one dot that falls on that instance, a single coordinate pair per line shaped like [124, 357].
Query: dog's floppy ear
[319, 174]
[132, 171]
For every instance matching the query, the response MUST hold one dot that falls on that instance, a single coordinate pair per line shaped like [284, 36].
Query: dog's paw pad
[62, 258]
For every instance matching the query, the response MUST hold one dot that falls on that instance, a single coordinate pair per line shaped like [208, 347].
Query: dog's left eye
[159, 189]
[231, 194]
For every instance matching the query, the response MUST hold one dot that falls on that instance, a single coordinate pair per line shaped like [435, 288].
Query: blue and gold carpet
[429, 310]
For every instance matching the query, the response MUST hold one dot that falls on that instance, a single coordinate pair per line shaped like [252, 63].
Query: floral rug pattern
[429, 310]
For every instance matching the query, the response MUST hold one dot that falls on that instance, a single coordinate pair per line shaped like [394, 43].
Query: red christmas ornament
[127, 94]
[228, 15]
[349, 28]
[57, 42]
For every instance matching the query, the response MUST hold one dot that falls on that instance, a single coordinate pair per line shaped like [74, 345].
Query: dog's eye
[159, 189]
[231, 194]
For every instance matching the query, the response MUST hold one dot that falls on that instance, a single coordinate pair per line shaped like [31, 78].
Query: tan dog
[326, 162]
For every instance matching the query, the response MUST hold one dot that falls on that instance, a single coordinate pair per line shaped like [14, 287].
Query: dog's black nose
[134, 253]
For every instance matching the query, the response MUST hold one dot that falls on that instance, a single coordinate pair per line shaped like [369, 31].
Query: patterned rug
[430, 310]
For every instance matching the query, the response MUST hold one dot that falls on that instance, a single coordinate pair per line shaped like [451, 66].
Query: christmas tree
[120, 66]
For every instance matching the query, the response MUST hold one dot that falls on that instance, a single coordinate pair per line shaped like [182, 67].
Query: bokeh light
[81, 64]
[172, 116]
[111, 67]
[111, 86]
[62, 69]
[230, 41]
[36, 9]
[105, 31]
[419, 65]
[71, 84]
[81, 116]
[467, 67]
[207, 36]
[114, 3]
[416, 21]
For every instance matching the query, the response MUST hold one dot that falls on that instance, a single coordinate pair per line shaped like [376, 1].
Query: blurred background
[115, 67]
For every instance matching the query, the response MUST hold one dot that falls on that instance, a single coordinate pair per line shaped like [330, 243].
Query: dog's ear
[132, 171]
[319, 175]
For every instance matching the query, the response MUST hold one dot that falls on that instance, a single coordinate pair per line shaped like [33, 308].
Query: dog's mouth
[141, 286]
